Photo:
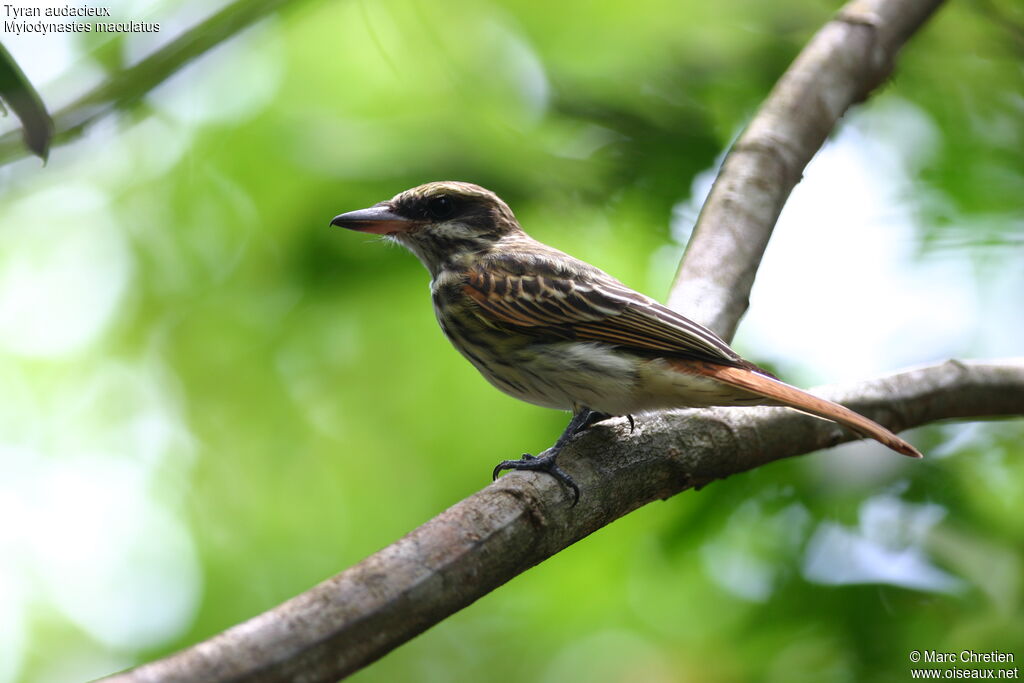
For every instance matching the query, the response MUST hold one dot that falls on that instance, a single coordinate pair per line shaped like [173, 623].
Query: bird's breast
[543, 368]
[483, 343]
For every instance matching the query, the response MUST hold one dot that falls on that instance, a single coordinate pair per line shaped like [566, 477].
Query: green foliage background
[323, 415]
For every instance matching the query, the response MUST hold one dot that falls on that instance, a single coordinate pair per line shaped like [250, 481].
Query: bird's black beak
[379, 220]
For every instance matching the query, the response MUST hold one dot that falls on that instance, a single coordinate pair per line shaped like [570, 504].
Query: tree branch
[126, 88]
[480, 543]
[847, 59]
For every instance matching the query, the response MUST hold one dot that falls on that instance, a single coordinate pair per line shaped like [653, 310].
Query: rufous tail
[792, 397]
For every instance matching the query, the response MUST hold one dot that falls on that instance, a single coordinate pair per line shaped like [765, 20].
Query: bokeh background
[210, 401]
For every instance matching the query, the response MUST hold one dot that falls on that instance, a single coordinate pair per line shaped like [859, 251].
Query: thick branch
[843, 63]
[126, 88]
[480, 543]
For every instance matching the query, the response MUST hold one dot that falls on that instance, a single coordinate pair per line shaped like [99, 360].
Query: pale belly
[571, 375]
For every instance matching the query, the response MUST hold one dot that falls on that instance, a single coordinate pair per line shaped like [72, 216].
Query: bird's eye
[440, 207]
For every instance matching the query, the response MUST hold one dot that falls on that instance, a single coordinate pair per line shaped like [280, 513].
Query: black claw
[510, 465]
[593, 417]
[563, 478]
[589, 418]
[545, 463]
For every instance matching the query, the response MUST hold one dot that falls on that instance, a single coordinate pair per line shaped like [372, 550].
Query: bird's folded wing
[592, 306]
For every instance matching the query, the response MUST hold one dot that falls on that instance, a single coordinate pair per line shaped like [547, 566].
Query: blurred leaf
[110, 52]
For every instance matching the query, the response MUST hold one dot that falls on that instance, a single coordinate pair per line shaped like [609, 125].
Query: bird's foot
[544, 463]
[581, 420]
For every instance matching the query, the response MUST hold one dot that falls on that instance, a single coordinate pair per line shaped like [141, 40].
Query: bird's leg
[596, 417]
[546, 461]
[592, 417]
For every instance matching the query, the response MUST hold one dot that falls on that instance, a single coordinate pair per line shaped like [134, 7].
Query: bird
[556, 331]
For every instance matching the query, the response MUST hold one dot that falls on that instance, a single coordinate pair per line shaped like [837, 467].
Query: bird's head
[441, 223]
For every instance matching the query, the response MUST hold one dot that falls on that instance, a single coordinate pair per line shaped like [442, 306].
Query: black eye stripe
[439, 207]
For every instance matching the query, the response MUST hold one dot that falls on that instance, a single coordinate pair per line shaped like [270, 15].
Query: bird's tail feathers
[789, 396]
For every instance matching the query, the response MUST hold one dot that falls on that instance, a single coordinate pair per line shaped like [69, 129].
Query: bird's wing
[591, 306]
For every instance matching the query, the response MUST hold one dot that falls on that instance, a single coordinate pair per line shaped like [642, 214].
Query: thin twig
[126, 88]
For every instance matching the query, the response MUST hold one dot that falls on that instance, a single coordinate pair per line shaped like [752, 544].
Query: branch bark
[847, 59]
[480, 543]
[126, 88]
